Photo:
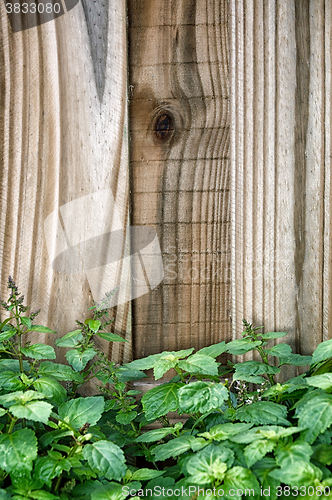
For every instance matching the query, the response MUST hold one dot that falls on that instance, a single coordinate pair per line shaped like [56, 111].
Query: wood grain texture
[180, 184]
[280, 160]
[64, 154]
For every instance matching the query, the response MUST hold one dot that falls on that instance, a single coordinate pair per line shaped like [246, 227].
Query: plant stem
[12, 424]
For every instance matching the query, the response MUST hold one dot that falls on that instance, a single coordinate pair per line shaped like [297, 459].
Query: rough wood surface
[64, 157]
[180, 171]
[280, 159]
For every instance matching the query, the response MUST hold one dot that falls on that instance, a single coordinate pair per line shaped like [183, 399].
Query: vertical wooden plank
[64, 173]
[180, 185]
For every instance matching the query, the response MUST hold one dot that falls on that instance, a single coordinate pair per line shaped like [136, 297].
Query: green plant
[244, 435]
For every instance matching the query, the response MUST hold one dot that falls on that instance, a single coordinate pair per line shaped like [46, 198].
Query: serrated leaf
[161, 400]
[173, 448]
[48, 467]
[111, 337]
[201, 364]
[317, 409]
[146, 474]
[8, 334]
[155, 435]
[18, 450]
[78, 359]
[51, 388]
[295, 360]
[272, 432]
[82, 410]
[323, 381]
[38, 411]
[201, 397]
[241, 346]
[108, 491]
[221, 432]
[39, 351]
[239, 478]
[20, 397]
[257, 450]
[213, 350]
[289, 453]
[59, 371]
[250, 371]
[301, 473]
[279, 350]
[274, 335]
[26, 322]
[162, 366]
[263, 412]
[322, 352]
[71, 339]
[93, 324]
[106, 459]
[209, 465]
[41, 329]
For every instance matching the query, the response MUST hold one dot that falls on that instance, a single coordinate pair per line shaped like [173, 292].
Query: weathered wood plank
[180, 185]
[64, 154]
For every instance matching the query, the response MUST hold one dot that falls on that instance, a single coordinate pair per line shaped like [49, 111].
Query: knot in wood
[163, 126]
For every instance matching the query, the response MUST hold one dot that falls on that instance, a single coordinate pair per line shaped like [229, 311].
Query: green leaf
[18, 450]
[155, 435]
[173, 448]
[26, 322]
[38, 411]
[108, 491]
[323, 381]
[10, 381]
[289, 453]
[239, 478]
[257, 450]
[78, 358]
[323, 351]
[213, 350]
[200, 363]
[274, 335]
[126, 418]
[295, 360]
[48, 467]
[8, 334]
[41, 329]
[12, 365]
[4, 495]
[221, 432]
[51, 388]
[41, 495]
[241, 346]
[272, 432]
[250, 371]
[263, 412]
[39, 351]
[161, 400]
[93, 324]
[111, 337]
[53, 436]
[125, 375]
[279, 350]
[210, 464]
[201, 397]
[162, 366]
[301, 473]
[58, 371]
[144, 363]
[323, 454]
[71, 339]
[146, 474]
[82, 410]
[20, 397]
[106, 459]
[317, 409]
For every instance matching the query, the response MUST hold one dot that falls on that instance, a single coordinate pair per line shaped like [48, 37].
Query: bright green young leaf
[301, 473]
[279, 350]
[160, 400]
[201, 397]
[26, 322]
[21, 397]
[239, 478]
[111, 337]
[323, 351]
[18, 450]
[93, 324]
[318, 410]
[263, 412]
[41, 329]
[82, 410]
[214, 350]
[221, 432]
[144, 363]
[162, 366]
[58, 371]
[38, 411]
[241, 346]
[274, 335]
[173, 448]
[2, 412]
[108, 491]
[323, 381]
[257, 450]
[200, 363]
[272, 432]
[154, 435]
[39, 351]
[78, 358]
[210, 464]
[146, 474]
[71, 339]
[51, 388]
[106, 459]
